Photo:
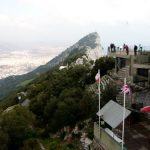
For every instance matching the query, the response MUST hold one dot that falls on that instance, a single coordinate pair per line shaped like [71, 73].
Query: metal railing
[130, 52]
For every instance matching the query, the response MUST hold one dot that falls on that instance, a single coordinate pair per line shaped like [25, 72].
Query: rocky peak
[91, 40]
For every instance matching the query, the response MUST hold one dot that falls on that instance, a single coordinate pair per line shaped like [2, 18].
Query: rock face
[94, 51]
[88, 47]
[90, 44]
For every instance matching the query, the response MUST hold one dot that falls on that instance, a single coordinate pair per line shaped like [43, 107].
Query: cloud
[14, 21]
[101, 11]
[58, 21]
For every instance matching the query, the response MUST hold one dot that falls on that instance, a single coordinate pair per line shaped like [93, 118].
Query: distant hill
[89, 46]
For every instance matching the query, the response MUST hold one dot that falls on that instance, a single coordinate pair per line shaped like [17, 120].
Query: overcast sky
[60, 23]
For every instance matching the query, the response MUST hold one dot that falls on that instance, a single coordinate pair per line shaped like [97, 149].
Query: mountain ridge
[89, 45]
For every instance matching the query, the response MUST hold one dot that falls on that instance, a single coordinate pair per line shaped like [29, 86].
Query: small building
[112, 115]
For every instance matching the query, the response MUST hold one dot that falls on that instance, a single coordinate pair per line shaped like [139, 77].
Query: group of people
[136, 49]
[125, 47]
[112, 48]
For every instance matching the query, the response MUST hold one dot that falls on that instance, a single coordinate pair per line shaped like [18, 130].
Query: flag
[97, 77]
[125, 89]
[145, 109]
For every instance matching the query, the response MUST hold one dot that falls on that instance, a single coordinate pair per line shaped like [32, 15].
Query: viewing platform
[123, 53]
[138, 62]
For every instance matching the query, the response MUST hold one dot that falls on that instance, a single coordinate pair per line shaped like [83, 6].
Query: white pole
[99, 101]
[123, 115]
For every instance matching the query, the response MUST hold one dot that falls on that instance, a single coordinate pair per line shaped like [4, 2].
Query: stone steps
[118, 78]
[121, 75]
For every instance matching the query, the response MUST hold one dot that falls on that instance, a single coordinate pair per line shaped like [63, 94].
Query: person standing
[140, 48]
[127, 49]
[135, 50]
[112, 47]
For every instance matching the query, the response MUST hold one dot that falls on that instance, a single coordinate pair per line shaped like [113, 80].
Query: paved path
[137, 136]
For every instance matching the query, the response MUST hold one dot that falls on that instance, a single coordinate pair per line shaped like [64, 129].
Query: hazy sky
[60, 23]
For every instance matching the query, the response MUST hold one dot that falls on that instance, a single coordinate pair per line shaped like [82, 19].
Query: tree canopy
[16, 126]
[58, 98]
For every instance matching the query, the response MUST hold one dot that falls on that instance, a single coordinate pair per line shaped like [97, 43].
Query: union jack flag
[125, 89]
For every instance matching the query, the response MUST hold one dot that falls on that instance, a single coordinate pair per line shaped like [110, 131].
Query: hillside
[57, 99]
[89, 46]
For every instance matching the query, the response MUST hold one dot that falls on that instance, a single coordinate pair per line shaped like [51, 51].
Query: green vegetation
[13, 83]
[58, 98]
[24, 83]
[74, 55]
[104, 64]
[16, 126]
[31, 144]
[63, 98]
[58, 144]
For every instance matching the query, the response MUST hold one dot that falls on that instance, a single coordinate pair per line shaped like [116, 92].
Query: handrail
[131, 52]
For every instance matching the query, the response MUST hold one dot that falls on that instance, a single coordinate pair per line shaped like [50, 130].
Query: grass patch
[24, 83]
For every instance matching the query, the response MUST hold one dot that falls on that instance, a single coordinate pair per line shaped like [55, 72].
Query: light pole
[115, 63]
[19, 99]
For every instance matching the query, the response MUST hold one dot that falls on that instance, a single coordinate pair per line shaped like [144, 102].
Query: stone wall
[106, 140]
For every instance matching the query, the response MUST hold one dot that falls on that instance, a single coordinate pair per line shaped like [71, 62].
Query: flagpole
[99, 101]
[123, 115]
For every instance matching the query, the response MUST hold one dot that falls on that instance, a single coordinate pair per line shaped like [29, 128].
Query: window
[142, 72]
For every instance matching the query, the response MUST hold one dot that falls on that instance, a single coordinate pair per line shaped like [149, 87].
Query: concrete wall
[142, 59]
[134, 62]
[149, 76]
[107, 141]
